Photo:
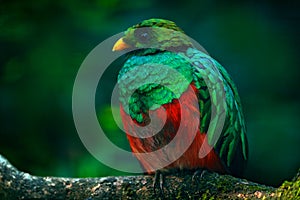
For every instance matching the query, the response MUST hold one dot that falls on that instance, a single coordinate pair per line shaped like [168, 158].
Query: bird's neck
[152, 51]
[144, 52]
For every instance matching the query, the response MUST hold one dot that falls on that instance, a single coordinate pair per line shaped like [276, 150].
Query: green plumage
[152, 69]
[195, 67]
[234, 129]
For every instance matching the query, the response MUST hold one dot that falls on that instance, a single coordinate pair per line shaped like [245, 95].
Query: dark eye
[143, 35]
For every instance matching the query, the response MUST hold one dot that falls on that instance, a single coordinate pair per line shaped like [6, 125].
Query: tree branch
[15, 184]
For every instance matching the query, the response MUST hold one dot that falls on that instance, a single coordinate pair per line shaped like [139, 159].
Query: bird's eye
[143, 35]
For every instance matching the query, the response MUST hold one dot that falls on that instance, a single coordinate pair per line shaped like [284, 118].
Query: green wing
[160, 84]
[207, 71]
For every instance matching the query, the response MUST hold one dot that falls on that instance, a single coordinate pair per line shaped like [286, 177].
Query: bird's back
[185, 100]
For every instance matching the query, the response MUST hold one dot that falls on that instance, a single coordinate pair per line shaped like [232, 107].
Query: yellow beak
[120, 45]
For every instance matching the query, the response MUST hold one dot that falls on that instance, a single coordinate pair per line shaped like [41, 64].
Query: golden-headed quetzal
[184, 103]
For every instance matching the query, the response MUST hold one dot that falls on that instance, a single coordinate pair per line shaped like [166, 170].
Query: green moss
[207, 196]
[290, 189]
[128, 191]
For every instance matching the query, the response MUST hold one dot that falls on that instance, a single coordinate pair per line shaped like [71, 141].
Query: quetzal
[159, 41]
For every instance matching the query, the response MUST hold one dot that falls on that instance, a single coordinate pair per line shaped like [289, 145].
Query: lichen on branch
[15, 184]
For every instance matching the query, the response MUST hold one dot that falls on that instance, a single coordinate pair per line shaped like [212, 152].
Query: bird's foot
[198, 175]
[158, 183]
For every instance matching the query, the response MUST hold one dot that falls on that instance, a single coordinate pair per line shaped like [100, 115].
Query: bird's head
[158, 34]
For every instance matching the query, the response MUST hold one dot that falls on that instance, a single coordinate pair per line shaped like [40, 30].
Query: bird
[183, 99]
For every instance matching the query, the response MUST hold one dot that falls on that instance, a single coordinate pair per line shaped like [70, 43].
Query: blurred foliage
[43, 43]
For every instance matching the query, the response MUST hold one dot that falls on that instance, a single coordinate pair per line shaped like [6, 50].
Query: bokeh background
[43, 44]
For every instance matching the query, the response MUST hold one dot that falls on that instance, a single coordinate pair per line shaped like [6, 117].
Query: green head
[156, 34]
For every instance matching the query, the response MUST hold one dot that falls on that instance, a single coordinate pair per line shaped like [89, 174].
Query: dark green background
[43, 44]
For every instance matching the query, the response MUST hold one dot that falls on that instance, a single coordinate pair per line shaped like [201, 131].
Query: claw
[158, 183]
[198, 173]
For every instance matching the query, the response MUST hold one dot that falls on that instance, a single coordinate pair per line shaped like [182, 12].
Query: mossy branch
[15, 184]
